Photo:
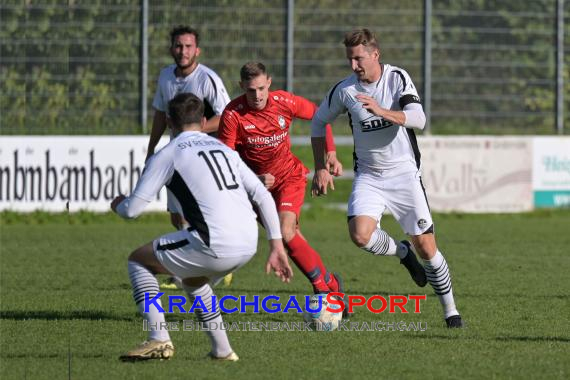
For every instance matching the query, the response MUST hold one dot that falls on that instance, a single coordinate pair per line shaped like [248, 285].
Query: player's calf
[211, 318]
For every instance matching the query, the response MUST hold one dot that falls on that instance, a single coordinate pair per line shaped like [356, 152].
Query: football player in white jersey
[212, 189]
[384, 109]
[186, 75]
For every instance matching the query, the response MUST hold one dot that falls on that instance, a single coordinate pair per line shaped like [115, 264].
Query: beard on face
[183, 67]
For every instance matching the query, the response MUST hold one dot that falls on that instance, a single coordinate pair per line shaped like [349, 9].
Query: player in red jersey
[256, 124]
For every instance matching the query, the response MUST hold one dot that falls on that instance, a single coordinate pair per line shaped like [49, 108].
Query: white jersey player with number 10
[213, 189]
[384, 107]
[210, 184]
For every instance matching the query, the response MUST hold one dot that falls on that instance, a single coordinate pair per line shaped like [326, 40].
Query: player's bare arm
[332, 164]
[158, 128]
[212, 124]
[116, 202]
[322, 178]
[306, 110]
[370, 104]
[277, 261]
[267, 179]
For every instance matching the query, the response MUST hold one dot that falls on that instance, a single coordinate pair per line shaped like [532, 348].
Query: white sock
[382, 244]
[437, 273]
[143, 281]
[218, 337]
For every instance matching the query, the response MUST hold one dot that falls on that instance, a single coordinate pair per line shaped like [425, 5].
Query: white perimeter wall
[466, 173]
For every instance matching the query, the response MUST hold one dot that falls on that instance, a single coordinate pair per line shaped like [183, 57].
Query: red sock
[332, 282]
[309, 262]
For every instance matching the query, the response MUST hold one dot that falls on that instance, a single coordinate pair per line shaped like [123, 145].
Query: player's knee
[195, 282]
[361, 229]
[288, 232]
[360, 238]
[138, 257]
[288, 224]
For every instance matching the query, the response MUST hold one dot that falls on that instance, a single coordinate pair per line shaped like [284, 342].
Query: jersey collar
[375, 84]
[183, 78]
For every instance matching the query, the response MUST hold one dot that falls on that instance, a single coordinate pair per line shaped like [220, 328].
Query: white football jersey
[211, 185]
[378, 144]
[202, 82]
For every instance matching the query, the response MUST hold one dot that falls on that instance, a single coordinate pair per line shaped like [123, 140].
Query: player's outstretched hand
[267, 179]
[116, 202]
[321, 181]
[332, 164]
[278, 262]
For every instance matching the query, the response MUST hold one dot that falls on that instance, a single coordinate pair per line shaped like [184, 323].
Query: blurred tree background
[73, 67]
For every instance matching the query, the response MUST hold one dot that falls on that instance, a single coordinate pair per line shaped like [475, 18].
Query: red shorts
[290, 195]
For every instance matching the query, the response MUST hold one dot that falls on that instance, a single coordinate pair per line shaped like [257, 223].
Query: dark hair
[364, 37]
[184, 109]
[183, 29]
[252, 70]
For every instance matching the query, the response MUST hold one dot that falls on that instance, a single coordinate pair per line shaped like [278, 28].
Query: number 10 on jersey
[219, 170]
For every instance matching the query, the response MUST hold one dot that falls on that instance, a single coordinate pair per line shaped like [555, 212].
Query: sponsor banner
[477, 174]
[466, 174]
[551, 198]
[551, 171]
[58, 173]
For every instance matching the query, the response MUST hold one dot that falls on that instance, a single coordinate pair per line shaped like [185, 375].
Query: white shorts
[403, 195]
[185, 255]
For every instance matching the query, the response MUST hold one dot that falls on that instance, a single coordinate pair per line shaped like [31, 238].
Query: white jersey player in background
[186, 75]
[383, 108]
[212, 189]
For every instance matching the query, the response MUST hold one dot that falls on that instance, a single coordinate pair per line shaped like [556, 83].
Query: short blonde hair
[364, 37]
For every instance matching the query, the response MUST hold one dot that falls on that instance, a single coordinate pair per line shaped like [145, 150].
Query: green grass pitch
[66, 308]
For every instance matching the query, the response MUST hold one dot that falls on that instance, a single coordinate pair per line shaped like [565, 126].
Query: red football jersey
[262, 137]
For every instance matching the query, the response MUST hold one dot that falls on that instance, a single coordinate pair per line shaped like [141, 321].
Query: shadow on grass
[11, 355]
[533, 339]
[93, 315]
[52, 355]
[499, 338]
[432, 336]
[517, 295]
